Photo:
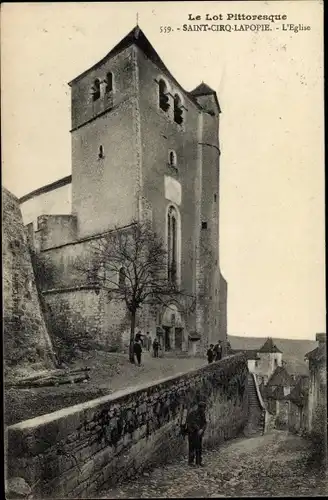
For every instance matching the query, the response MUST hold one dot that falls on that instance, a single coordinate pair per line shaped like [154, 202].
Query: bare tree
[131, 263]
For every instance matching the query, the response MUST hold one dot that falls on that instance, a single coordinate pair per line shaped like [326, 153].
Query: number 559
[165, 29]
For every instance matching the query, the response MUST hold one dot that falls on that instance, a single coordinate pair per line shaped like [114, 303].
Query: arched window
[109, 82]
[172, 159]
[96, 90]
[163, 97]
[173, 244]
[178, 112]
[121, 278]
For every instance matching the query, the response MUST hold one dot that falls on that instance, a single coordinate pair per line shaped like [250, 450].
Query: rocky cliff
[27, 345]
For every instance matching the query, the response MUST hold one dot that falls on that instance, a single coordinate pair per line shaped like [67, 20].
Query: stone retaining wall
[75, 451]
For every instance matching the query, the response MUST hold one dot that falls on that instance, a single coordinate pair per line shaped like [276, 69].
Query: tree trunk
[133, 325]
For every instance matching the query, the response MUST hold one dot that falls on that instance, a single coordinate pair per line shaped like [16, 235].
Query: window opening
[101, 152]
[163, 97]
[178, 112]
[96, 90]
[109, 82]
[172, 244]
[173, 159]
[122, 278]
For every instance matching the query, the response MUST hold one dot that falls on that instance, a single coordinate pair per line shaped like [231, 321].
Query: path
[109, 372]
[257, 466]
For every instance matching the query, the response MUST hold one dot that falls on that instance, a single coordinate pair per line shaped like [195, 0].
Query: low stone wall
[77, 450]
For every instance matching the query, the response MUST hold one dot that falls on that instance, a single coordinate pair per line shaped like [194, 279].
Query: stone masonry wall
[26, 340]
[87, 317]
[75, 451]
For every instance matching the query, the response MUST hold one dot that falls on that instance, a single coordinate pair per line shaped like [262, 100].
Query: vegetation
[317, 456]
[131, 263]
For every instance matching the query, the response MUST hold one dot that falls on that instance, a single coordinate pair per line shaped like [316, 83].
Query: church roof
[269, 346]
[48, 187]
[202, 89]
[137, 37]
[280, 377]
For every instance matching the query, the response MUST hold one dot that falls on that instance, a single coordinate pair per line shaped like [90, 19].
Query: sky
[270, 88]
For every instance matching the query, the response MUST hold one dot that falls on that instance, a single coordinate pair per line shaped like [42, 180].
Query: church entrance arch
[173, 328]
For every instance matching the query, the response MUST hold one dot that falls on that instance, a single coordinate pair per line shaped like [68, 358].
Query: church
[142, 146]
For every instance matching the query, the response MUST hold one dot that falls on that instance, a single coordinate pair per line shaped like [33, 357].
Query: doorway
[167, 339]
[178, 338]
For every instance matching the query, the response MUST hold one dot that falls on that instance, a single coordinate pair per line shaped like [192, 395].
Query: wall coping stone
[72, 411]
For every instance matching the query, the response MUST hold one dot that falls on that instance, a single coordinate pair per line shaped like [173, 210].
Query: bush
[115, 347]
[318, 437]
[66, 351]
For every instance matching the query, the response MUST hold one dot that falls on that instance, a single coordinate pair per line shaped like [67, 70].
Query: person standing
[210, 354]
[215, 350]
[195, 428]
[218, 354]
[156, 347]
[137, 349]
[138, 336]
[148, 341]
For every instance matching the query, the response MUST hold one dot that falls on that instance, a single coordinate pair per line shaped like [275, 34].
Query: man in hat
[217, 351]
[210, 354]
[195, 427]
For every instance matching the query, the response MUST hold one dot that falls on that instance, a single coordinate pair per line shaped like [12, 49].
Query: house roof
[269, 346]
[298, 394]
[281, 378]
[249, 353]
[321, 337]
[137, 37]
[278, 393]
[317, 355]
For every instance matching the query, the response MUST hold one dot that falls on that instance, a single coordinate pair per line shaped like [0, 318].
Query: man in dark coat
[215, 350]
[155, 347]
[137, 349]
[218, 351]
[195, 427]
[148, 341]
[210, 354]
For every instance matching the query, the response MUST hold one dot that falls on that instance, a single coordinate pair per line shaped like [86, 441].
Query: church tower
[142, 146]
[105, 163]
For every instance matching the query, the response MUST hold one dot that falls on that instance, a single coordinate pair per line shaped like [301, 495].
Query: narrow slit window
[215, 198]
[172, 159]
[122, 278]
[204, 225]
[101, 152]
[109, 82]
